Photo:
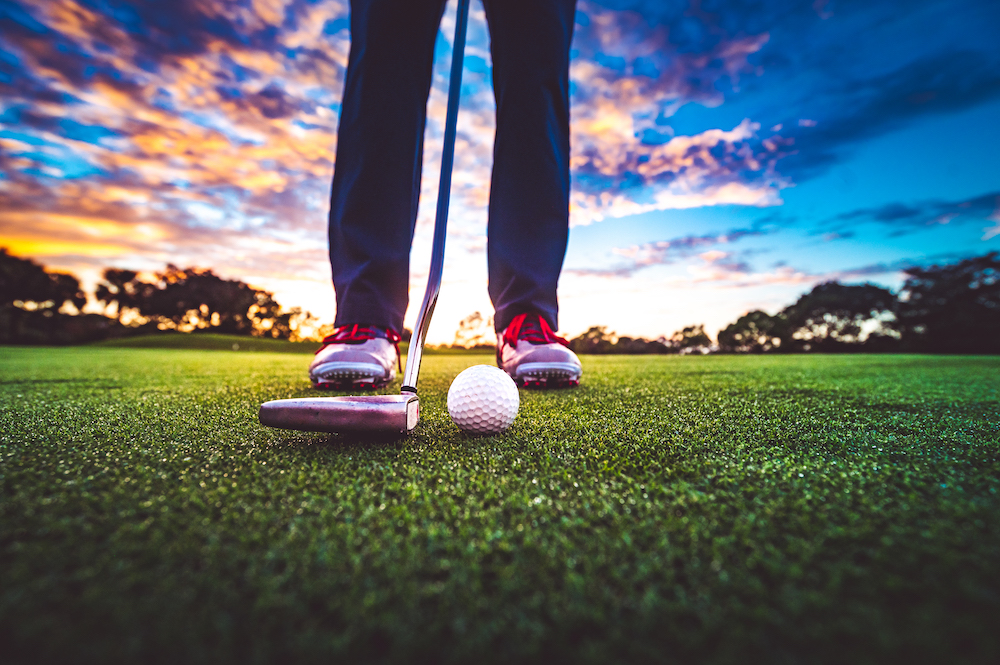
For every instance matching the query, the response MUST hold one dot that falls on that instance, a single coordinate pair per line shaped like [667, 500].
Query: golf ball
[483, 400]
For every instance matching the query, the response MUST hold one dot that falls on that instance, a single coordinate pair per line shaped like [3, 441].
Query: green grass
[671, 509]
[216, 342]
[206, 342]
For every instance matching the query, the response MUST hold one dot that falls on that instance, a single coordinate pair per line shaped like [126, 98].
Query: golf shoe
[356, 357]
[534, 356]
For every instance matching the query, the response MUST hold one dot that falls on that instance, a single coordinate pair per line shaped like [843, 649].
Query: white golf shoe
[356, 357]
[534, 356]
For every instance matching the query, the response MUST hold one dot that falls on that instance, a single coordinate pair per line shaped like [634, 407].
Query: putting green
[671, 509]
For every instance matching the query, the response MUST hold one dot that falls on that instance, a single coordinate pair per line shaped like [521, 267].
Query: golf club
[389, 414]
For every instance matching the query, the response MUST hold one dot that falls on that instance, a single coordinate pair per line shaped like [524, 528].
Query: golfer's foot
[356, 357]
[534, 356]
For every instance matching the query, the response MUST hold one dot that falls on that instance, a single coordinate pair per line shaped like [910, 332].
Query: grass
[671, 509]
[206, 342]
[216, 342]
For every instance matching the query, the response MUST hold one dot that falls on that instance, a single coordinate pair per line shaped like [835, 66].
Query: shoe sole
[350, 376]
[547, 375]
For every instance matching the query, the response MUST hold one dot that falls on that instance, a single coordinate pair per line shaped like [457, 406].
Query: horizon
[722, 161]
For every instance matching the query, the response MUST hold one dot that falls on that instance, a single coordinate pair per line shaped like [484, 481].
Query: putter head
[365, 414]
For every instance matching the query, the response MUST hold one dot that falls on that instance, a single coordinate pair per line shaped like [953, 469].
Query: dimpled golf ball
[483, 400]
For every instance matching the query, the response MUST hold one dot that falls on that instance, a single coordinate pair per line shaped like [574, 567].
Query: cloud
[199, 118]
[634, 70]
[933, 58]
[906, 218]
[864, 107]
[666, 252]
[741, 275]
[616, 176]
[239, 101]
[640, 62]
[709, 259]
[897, 268]
[991, 232]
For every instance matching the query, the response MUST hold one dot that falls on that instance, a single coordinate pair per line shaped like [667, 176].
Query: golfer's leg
[376, 181]
[529, 197]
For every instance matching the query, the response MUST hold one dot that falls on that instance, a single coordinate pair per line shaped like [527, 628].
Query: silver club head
[372, 414]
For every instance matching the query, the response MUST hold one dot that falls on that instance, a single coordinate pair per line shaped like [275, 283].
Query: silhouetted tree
[596, 339]
[262, 318]
[691, 339]
[30, 302]
[599, 340]
[123, 293]
[475, 331]
[295, 324]
[953, 308]
[198, 299]
[640, 345]
[754, 332]
[26, 285]
[838, 317]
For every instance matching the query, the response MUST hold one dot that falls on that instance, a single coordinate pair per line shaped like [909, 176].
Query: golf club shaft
[416, 347]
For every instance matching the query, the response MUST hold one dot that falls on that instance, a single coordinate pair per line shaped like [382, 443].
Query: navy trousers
[376, 181]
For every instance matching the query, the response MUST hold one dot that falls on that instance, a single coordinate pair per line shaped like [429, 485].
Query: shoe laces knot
[531, 327]
[357, 334]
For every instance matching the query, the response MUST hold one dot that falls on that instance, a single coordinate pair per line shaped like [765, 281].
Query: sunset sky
[726, 156]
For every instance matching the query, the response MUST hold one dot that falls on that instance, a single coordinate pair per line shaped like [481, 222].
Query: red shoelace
[357, 333]
[532, 328]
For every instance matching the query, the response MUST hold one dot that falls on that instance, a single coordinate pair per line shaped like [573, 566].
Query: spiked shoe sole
[343, 375]
[547, 375]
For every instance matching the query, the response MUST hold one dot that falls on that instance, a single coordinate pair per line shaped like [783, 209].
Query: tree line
[42, 307]
[599, 340]
[952, 308]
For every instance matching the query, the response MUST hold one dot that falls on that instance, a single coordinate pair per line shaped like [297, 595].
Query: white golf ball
[483, 400]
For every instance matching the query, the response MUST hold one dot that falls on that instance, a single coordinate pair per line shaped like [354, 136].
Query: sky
[726, 155]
